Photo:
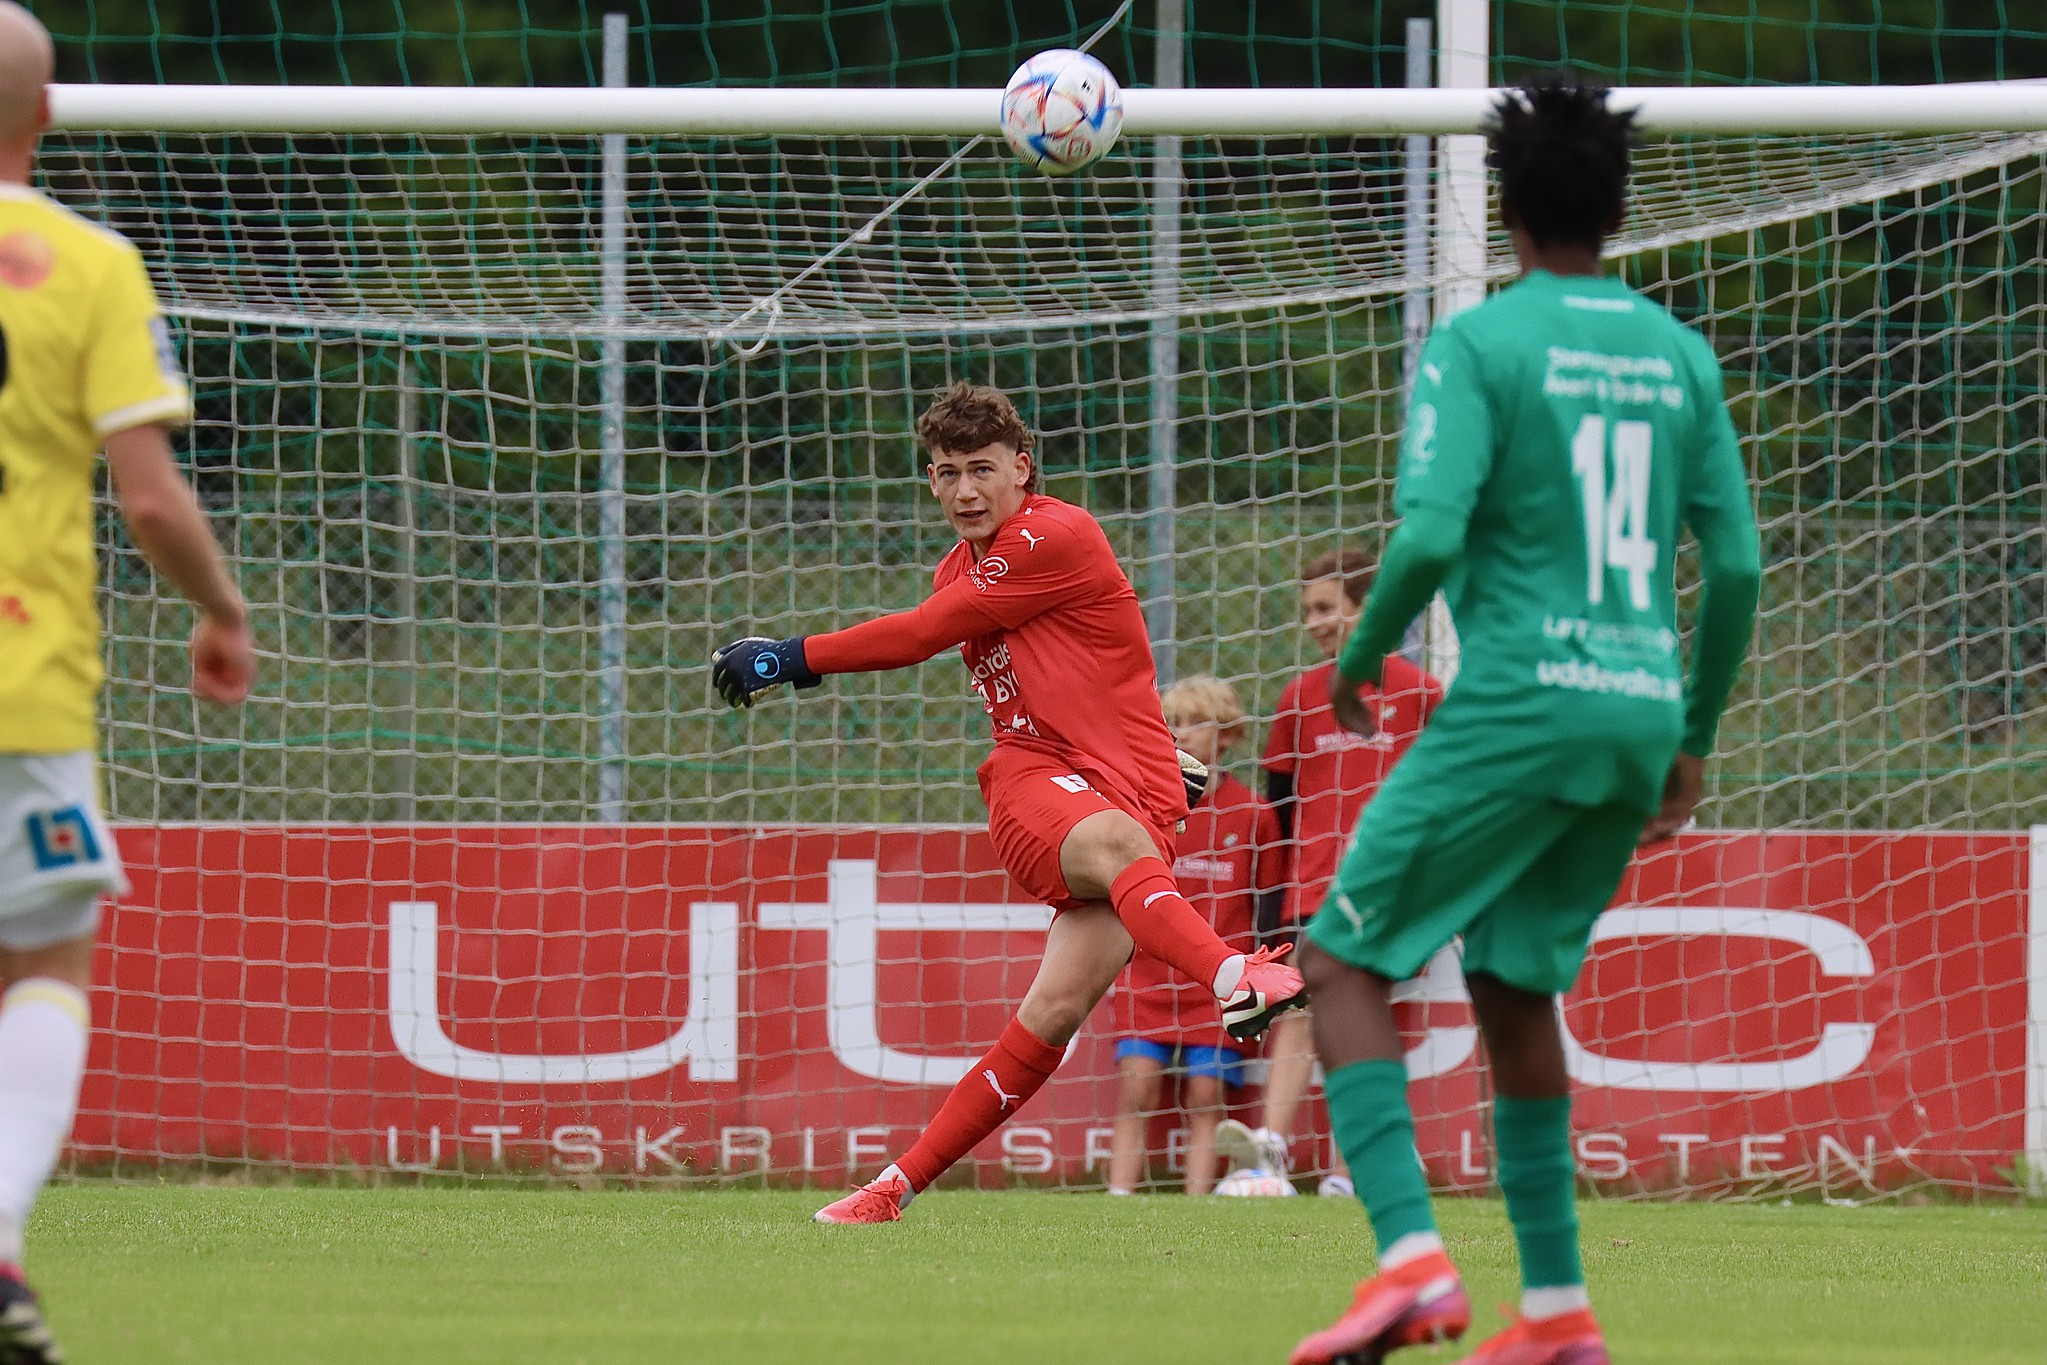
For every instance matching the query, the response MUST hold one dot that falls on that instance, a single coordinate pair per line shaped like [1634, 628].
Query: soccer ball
[1253, 1182]
[1061, 111]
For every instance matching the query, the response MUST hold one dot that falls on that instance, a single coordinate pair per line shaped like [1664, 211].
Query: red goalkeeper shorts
[1034, 801]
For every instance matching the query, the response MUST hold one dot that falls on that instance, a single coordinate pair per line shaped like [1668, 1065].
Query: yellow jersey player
[85, 365]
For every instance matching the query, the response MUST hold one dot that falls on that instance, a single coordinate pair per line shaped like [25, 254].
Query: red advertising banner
[661, 1001]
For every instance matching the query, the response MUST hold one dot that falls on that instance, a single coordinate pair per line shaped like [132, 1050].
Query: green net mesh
[400, 346]
[396, 346]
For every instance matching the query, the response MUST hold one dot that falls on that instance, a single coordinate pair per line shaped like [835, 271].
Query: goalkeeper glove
[1194, 773]
[745, 668]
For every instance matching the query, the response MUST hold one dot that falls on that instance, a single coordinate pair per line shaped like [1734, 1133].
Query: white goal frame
[2011, 107]
[2007, 106]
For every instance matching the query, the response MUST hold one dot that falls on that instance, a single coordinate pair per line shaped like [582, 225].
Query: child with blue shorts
[1229, 853]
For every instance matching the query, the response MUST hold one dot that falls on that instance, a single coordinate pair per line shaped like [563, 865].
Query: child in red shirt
[1229, 853]
[1319, 777]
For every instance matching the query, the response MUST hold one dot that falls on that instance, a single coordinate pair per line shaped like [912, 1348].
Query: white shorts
[57, 856]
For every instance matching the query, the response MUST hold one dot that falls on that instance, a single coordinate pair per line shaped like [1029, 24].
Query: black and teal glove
[744, 669]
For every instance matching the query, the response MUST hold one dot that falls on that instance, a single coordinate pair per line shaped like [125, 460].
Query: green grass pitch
[227, 1275]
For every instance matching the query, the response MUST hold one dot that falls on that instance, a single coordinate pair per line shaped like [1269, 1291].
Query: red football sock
[986, 1097]
[1162, 923]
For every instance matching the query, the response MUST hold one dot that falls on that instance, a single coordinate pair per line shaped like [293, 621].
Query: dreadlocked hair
[1562, 158]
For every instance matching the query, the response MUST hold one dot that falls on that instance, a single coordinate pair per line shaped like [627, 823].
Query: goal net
[485, 879]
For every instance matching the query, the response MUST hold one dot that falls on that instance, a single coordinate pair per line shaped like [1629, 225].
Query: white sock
[1412, 1247]
[44, 1025]
[1115, 1191]
[1227, 976]
[1553, 1301]
[895, 1172]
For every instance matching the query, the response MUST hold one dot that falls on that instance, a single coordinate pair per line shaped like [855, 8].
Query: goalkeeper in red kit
[1084, 787]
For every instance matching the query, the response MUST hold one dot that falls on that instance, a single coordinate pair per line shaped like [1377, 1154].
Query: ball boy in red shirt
[1230, 854]
[1318, 779]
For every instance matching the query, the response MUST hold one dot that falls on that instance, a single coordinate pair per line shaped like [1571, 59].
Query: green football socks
[1532, 1144]
[1374, 1127]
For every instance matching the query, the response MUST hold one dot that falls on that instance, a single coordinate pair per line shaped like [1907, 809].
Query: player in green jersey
[1560, 435]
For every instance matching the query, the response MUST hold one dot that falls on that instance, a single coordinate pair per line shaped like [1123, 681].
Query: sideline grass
[234, 1275]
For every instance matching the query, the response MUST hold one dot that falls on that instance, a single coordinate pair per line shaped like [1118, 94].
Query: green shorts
[1522, 878]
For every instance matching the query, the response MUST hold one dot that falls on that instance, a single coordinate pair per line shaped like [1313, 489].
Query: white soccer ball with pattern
[1062, 110]
[1252, 1182]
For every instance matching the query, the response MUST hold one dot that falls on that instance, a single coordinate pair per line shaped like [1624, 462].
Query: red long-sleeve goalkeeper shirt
[1055, 644]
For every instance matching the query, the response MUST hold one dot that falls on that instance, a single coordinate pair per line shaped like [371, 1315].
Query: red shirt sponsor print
[1230, 852]
[1335, 772]
[1069, 671]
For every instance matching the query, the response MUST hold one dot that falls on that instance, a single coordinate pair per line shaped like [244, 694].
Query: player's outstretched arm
[1417, 559]
[745, 668]
[167, 526]
[1445, 459]
[742, 670]
[1731, 565]
[1681, 792]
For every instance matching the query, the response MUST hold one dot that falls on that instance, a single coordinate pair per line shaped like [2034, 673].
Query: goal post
[2008, 106]
[461, 936]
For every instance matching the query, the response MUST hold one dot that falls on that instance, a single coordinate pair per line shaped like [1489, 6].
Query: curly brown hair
[1352, 569]
[967, 417]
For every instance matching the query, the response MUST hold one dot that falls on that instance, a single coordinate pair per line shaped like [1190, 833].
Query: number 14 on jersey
[1616, 505]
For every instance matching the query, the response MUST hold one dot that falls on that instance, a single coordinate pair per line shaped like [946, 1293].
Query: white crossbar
[2002, 106]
